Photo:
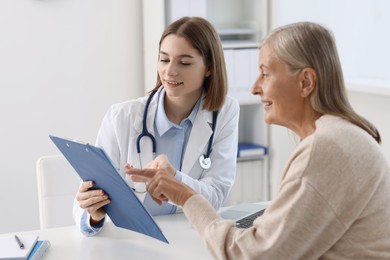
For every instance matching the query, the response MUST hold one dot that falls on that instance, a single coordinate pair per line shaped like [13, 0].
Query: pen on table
[21, 245]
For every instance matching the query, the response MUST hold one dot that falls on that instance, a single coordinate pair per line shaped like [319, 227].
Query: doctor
[187, 121]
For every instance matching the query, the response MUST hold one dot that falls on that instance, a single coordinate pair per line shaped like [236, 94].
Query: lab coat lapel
[198, 140]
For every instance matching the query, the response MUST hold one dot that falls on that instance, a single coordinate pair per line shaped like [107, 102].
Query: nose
[171, 69]
[256, 87]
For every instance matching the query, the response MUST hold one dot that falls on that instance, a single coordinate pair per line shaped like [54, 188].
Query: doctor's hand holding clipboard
[92, 201]
[187, 120]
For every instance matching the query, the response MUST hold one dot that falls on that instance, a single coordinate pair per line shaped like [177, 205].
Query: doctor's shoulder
[128, 108]
[230, 106]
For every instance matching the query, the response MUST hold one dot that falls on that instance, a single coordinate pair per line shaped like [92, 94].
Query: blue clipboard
[125, 209]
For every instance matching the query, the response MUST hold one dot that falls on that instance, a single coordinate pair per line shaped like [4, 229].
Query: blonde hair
[204, 38]
[307, 44]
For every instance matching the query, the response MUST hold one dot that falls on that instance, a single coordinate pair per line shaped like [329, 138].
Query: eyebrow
[180, 56]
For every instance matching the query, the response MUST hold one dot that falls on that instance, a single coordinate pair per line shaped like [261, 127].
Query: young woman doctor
[187, 121]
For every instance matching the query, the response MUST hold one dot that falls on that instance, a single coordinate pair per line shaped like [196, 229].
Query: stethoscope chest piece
[204, 160]
[205, 163]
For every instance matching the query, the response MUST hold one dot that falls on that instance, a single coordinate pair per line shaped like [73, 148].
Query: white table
[117, 243]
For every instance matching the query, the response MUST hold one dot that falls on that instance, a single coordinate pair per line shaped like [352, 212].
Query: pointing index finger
[142, 172]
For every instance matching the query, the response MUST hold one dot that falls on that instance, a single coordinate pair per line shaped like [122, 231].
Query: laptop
[245, 213]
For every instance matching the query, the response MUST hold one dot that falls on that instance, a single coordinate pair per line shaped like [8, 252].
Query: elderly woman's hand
[162, 185]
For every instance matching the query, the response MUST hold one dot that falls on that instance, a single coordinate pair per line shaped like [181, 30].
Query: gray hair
[307, 44]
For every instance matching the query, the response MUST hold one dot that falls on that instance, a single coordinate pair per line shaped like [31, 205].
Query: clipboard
[125, 209]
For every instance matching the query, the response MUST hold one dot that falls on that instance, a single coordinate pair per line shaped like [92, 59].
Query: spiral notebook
[125, 209]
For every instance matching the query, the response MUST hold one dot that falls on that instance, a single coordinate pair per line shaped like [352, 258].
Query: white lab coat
[122, 125]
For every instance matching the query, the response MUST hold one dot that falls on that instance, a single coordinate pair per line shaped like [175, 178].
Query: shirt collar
[162, 122]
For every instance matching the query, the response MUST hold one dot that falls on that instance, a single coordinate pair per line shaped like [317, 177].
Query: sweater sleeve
[271, 237]
[298, 224]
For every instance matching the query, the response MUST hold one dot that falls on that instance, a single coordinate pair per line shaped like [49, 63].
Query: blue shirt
[171, 140]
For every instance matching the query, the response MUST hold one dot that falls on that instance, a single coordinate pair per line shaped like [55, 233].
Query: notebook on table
[11, 249]
[244, 214]
[125, 209]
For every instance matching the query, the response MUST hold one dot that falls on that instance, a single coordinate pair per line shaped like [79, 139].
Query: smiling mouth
[267, 104]
[175, 83]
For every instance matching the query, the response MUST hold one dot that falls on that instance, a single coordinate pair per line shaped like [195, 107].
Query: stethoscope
[204, 160]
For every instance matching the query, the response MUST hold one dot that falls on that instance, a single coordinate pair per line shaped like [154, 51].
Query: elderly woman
[334, 197]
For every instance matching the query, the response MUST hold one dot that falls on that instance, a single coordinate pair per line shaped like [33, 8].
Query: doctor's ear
[208, 73]
[308, 81]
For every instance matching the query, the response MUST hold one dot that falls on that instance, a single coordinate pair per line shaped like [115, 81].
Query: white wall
[153, 26]
[360, 28]
[62, 64]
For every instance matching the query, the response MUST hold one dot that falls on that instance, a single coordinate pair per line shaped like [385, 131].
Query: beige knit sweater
[333, 203]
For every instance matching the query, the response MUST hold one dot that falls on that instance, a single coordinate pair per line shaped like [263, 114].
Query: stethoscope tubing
[145, 132]
[209, 147]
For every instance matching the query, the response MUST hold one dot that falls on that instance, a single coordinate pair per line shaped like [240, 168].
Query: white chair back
[57, 183]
